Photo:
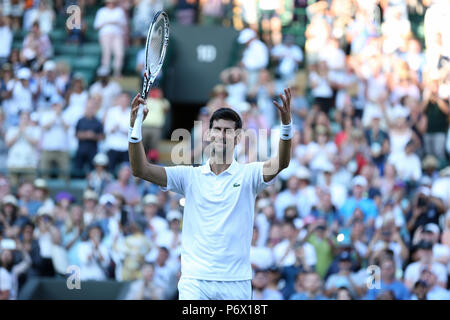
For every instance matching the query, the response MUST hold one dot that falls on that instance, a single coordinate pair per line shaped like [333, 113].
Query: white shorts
[195, 289]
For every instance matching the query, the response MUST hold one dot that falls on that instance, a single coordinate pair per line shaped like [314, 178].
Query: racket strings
[156, 44]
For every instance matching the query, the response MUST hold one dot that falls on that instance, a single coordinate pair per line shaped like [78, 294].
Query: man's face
[387, 269]
[358, 190]
[223, 137]
[147, 273]
[312, 282]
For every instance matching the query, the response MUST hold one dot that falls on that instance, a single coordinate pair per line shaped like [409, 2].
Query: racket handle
[137, 128]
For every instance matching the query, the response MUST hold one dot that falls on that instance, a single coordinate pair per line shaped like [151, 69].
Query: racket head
[156, 46]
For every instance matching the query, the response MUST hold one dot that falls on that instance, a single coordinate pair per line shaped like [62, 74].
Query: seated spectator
[41, 193]
[166, 272]
[156, 225]
[89, 131]
[36, 48]
[94, 256]
[43, 233]
[22, 142]
[11, 219]
[116, 132]
[99, 178]
[260, 283]
[260, 256]
[414, 269]
[171, 238]
[288, 56]
[389, 282]
[124, 185]
[28, 205]
[72, 232]
[132, 250]
[313, 288]
[319, 237]
[31, 245]
[145, 288]
[54, 142]
[111, 22]
[407, 163]
[431, 233]
[44, 15]
[434, 290]
[90, 208]
[10, 271]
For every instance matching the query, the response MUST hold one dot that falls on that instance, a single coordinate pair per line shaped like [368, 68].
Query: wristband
[286, 132]
[130, 130]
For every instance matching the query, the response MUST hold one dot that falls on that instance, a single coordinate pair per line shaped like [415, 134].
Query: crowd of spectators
[366, 194]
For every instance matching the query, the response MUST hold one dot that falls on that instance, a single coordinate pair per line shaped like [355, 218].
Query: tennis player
[219, 207]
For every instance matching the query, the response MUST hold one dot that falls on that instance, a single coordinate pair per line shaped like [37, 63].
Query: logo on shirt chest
[236, 185]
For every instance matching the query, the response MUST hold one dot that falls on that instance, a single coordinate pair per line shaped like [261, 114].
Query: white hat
[376, 114]
[24, 73]
[327, 166]
[262, 203]
[45, 210]
[103, 71]
[10, 199]
[400, 112]
[107, 198]
[432, 227]
[303, 173]
[426, 191]
[174, 214]
[101, 159]
[90, 195]
[40, 184]
[243, 106]
[150, 199]
[57, 99]
[246, 35]
[49, 66]
[359, 181]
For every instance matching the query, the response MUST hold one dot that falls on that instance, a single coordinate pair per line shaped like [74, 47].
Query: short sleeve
[256, 171]
[177, 178]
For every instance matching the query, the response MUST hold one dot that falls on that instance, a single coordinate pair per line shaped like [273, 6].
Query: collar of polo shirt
[231, 169]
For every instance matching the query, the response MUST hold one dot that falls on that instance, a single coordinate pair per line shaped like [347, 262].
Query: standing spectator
[437, 111]
[321, 89]
[44, 15]
[89, 130]
[106, 90]
[48, 86]
[111, 23]
[171, 238]
[146, 288]
[10, 271]
[54, 139]
[288, 56]
[116, 131]
[435, 291]
[152, 126]
[22, 142]
[255, 55]
[260, 284]
[156, 225]
[407, 163]
[166, 273]
[6, 38]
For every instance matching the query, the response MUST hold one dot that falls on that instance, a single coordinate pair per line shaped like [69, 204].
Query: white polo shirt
[218, 219]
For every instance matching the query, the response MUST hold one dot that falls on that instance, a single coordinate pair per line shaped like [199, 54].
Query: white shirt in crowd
[218, 219]
[408, 166]
[261, 257]
[255, 56]
[90, 267]
[22, 97]
[290, 57]
[107, 93]
[56, 137]
[280, 249]
[6, 38]
[116, 130]
[22, 154]
[413, 271]
[323, 88]
[110, 21]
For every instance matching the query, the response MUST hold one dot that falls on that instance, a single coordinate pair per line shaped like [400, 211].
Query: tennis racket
[155, 52]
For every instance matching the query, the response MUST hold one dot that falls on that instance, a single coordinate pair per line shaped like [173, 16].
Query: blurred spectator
[152, 126]
[89, 131]
[260, 291]
[14, 9]
[111, 22]
[72, 232]
[93, 255]
[156, 225]
[6, 38]
[99, 178]
[36, 48]
[263, 92]
[166, 272]
[54, 141]
[41, 193]
[288, 56]
[434, 290]
[145, 288]
[124, 185]
[255, 56]
[313, 288]
[10, 271]
[27, 204]
[106, 90]
[171, 238]
[116, 131]
[48, 86]
[389, 282]
[260, 256]
[22, 141]
[44, 15]
[413, 270]
[143, 12]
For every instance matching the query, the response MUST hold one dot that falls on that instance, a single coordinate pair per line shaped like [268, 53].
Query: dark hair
[226, 114]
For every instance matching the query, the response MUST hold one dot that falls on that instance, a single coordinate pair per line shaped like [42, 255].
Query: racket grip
[136, 133]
